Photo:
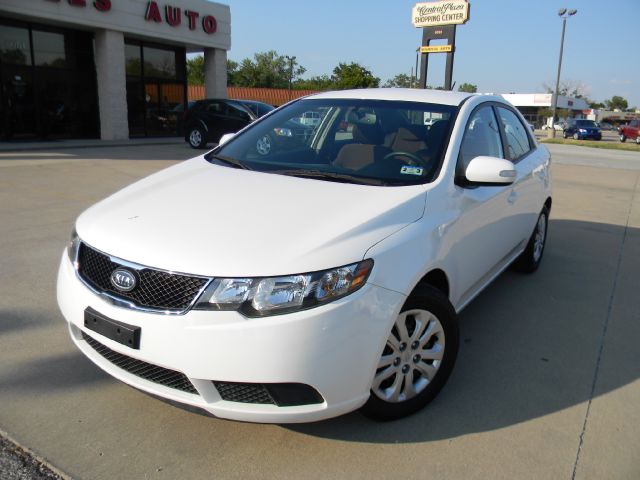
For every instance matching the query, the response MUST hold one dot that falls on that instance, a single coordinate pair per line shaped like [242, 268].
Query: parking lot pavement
[547, 383]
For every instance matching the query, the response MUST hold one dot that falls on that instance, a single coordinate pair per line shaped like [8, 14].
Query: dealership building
[109, 69]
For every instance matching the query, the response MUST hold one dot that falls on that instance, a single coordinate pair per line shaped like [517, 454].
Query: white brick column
[112, 85]
[215, 73]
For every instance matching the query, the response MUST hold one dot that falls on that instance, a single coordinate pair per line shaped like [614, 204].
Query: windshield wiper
[230, 161]
[331, 176]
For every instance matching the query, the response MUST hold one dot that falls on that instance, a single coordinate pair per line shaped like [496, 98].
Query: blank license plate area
[120, 332]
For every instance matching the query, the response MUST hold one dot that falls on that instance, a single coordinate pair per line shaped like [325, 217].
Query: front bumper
[333, 348]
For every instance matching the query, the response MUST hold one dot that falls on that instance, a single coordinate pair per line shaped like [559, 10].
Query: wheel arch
[438, 279]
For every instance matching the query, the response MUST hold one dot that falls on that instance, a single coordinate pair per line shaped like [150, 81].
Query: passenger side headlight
[72, 248]
[257, 297]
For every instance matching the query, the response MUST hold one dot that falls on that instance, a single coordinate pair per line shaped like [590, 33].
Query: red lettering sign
[172, 14]
[78, 3]
[153, 13]
[102, 5]
[193, 16]
[209, 24]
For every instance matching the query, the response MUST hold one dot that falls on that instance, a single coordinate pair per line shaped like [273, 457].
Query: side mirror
[225, 138]
[490, 171]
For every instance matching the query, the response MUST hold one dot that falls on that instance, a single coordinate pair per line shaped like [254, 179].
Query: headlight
[283, 132]
[257, 297]
[582, 130]
[72, 248]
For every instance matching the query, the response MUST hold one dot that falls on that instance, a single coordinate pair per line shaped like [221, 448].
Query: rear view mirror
[490, 171]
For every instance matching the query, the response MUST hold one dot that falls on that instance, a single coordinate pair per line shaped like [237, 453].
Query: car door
[484, 235]
[531, 167]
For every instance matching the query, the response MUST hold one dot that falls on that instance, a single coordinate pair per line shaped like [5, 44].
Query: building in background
[535, 106]
[109, 69]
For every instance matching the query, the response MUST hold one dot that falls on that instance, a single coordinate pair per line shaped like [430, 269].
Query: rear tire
[418, 356]
[576, 136]
[197, 138]
[529, 260]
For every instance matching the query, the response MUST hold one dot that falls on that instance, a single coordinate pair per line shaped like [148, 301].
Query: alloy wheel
[263, 145]
[411, 357]
[195, 137]
[539, 238]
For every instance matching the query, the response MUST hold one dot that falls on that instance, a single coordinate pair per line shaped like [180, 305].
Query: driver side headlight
[257, 297]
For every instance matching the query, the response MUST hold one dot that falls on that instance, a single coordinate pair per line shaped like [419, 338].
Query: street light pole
[563, 13]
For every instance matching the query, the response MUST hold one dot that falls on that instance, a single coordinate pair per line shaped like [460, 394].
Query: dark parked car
[258, 108]
[288, 136]
[207, 120]
[179, 113]
[582, 129]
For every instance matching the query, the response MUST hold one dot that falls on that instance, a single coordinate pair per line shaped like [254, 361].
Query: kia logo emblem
[123, 280]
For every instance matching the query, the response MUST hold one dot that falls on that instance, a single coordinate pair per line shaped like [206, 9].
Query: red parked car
[631, 131]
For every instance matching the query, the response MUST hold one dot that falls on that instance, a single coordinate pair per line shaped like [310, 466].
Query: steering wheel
[414, 159]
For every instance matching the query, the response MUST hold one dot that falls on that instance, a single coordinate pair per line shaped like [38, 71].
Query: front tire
[576, 136]
[638, 140]
[197, 138]
[418, 356]
[529, 260]
[622, 137]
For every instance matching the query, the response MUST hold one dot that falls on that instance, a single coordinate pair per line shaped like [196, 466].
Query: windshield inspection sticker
[410, 170]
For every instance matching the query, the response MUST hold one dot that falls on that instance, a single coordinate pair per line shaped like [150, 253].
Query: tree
[195, 70]
[468, 87]
[267, 70]
[232, 72]
[596, 105]
[569, 88]
[353, 75]
[402, 80]
[320, 82]
[616, 102]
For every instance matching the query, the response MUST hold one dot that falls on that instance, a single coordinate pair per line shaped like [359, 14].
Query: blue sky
[507, 45]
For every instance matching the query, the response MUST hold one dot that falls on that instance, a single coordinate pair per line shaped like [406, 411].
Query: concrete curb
[69, 144]
[41, 460]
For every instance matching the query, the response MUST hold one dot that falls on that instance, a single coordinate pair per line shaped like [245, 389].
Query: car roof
[253, 102]
[399, 94]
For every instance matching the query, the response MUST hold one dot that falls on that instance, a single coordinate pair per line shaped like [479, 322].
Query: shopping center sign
[444, 12]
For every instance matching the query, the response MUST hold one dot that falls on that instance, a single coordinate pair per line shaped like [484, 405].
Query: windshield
[586, 123]
[349, 140]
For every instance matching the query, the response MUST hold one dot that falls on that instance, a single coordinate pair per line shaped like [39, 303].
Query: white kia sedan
[322, 277]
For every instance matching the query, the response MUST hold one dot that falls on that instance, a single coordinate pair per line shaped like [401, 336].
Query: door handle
[513, 196]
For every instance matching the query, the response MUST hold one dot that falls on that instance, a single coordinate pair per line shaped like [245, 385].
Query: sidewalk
[87, 143]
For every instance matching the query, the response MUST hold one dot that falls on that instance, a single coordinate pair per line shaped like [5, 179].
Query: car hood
[200, 218]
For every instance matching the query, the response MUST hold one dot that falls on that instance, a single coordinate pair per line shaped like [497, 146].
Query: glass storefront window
[132, 59]
[159, 63]
[48, 49]
[14, 45]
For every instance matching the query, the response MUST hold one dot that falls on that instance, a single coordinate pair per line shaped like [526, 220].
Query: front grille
[155, 289]
[244, 392]
[147, 371]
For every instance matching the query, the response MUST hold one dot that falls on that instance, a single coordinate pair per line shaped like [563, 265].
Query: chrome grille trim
[121, 301]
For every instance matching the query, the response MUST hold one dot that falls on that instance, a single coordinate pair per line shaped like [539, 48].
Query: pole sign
[444, 12]
[438, 21]
[437, 49]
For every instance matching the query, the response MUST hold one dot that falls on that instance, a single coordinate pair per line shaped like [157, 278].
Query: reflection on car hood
[200, 218]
